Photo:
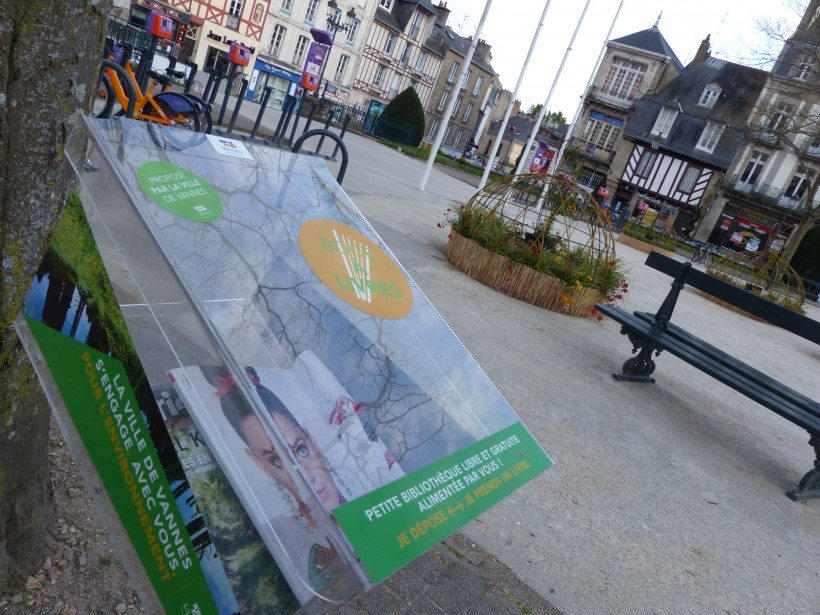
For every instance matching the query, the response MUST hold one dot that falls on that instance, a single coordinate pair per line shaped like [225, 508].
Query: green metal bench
[652, 333]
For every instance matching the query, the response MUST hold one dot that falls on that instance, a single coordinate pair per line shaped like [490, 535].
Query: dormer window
[663, 125]
[386, 4]
[804, 67]
[709, 96]
[710, 136]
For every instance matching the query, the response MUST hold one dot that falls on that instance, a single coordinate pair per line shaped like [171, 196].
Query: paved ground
[665, 498]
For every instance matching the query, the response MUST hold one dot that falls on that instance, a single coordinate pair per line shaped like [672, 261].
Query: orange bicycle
[166, 108]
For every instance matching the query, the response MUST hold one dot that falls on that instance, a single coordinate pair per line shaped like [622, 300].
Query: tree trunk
[807, 222]
[49, 53]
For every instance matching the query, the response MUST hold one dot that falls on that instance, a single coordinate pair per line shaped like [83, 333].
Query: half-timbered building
[396, 54]
[682, 139]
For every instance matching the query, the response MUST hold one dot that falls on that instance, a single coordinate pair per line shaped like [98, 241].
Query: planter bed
[519, 281]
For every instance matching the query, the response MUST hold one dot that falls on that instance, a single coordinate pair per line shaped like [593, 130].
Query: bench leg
[639, 367]
[809, 487]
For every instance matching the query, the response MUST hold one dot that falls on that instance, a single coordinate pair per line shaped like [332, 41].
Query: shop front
[281, 81]
[656, 212]
[746, 231]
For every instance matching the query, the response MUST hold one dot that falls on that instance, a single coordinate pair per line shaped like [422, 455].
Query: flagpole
[540, 118]
[449, 111]
[580, 108]
[507, 114]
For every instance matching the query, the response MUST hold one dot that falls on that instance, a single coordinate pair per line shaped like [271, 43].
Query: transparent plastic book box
[352, 424]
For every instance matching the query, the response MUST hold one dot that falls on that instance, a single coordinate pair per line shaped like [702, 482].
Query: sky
[511, 25]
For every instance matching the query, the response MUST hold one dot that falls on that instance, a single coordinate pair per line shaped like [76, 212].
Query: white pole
[580, 108]
[549, 95]
[454, 96]
[506, 119]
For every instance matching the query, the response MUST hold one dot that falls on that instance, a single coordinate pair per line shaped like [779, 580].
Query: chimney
[483, 49]
[516, 108]
[442, 13]
[704, 51]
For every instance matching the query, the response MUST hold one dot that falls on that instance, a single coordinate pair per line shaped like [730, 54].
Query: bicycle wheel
[102, 103]
[205, 121]
[179, 110]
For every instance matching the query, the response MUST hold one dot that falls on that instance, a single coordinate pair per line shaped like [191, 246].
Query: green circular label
[179, 191]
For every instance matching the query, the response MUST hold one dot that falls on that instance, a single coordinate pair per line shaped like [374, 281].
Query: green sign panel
[102, 405]
[180, 191]
[393, 525]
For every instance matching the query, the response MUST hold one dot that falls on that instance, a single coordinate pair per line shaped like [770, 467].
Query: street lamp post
[335, 25]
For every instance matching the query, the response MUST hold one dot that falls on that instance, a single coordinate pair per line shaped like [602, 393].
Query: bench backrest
[754, 304]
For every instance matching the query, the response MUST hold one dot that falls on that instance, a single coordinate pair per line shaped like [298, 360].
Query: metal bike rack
[321, 132]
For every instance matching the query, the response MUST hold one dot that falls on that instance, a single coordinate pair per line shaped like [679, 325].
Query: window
[394, 87]
[453, 70]
[405, 54]
[666, 118]
[710, 136]
[390, 43]
[624, 79]
[287, 5]
[799, 183]
[754, 167]
[421, 60]
[457, 105]
[341, 67]
[781, 118]
[235, 10]
[431, 133]
[310, 13]
[601, 134]
[591, 179]
[386, 4]
[354, 30]
[687, 182]
[645, 165]
[804, 66]
[443, 100]
[709, 96]
[477, 87]
[459, 137]
[299, 53]
[446, 133]
[416, 27]
[467, 112]
[378, 78]
[276, 40]
[216, 60]
[466, 79]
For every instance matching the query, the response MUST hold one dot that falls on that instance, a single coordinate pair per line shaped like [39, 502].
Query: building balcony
[615, 101]
[811, 149]
[766, 137]
[591, 151]
[770, 195]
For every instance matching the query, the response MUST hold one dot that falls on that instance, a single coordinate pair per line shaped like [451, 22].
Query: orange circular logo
[355, 269]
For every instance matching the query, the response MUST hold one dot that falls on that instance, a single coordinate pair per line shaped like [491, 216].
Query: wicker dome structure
[521, 228]
[764, 273]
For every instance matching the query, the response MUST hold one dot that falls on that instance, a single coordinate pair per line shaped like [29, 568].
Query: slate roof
[650, 40]
[403, 10]
[518, 127]
[460, 46]
[740, 87]
[386, 18]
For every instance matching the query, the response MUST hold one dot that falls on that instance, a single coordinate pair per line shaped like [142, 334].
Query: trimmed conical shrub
[406, 109]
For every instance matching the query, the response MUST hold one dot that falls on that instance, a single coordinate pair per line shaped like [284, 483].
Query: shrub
[406, 108]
